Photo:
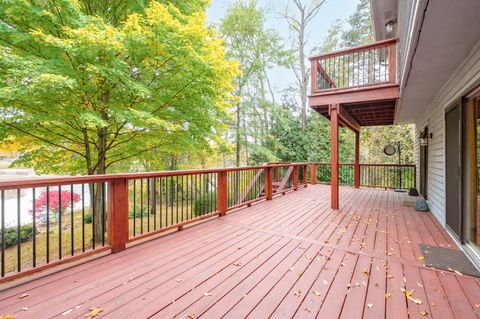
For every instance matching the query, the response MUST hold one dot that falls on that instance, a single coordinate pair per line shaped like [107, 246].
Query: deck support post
[268, 183]
[118, 214]
[295, 177]
[313, 173]
[334, 109]
[356, 167]
[222, 193]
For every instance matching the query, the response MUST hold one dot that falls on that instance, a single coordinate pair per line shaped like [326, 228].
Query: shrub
[55, 198]
[205, 204]
[26, 233]
[88, 218]
[137, 214]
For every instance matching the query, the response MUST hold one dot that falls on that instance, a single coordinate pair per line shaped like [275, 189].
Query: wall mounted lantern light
[389, 25]
[424, 136]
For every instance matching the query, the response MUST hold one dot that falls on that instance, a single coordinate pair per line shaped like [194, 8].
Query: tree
[257, 49]
[360, 26]
[95, 84]
[306, 11]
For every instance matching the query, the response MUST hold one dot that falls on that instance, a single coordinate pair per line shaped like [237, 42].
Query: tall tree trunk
[237, 135]
[303, 73]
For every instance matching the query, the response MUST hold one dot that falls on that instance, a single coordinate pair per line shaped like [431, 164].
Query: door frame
[460, 104]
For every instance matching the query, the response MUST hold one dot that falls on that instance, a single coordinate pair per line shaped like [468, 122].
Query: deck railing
[362, 66]
[371, 175]
[50, 221]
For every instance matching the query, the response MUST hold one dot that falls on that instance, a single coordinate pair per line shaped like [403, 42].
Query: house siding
[461, 81]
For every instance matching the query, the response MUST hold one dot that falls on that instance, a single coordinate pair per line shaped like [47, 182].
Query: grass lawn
[141, 224]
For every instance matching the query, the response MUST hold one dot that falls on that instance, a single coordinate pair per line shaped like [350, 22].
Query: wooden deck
[292, 257]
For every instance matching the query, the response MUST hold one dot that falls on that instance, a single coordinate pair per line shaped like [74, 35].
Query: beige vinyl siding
[465, 77]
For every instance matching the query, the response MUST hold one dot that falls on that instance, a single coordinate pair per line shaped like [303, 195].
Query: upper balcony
[362, 79]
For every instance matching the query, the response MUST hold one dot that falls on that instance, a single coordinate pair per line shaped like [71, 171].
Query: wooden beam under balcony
[387, 92]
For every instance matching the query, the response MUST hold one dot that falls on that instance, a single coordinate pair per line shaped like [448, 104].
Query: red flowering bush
[58, 203]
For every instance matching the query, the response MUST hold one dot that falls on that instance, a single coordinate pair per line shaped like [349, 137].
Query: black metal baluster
[59, 222]
[83, 217]
[188, 217]
[172, 197]
[176, 199]
[134, 207]
[19, 239]
[182, 178]
[103, 213]
[48, 226]
[141, 206]
[92, 207]
[148, 205]
[161, 202]
[71, 220]
[154, 203]
[34, 238]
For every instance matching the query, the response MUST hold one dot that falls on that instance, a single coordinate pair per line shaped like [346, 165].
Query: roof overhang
[383, 11]
[446, 33]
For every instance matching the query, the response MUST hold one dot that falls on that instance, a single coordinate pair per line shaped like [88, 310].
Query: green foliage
[11, 235]
[88, 81]
[360, 29]
[205, 203]
[88, 218]
[257, 49]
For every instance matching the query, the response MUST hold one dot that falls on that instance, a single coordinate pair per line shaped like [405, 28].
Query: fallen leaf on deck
[9, 316]
[25, 308]
[206, 294]
[297, 293]
[292, 268]
[67, 312]
[365, 273]
[457, 272]
[419, 285]
[191, 317]
[238, 264]
[370, 305]
[317, 293]
[178, 280]
[423, 312]
[23, 296]
[325, 282]
[388, 295]
[415, 301]
[306, 309]
[94, 311]
[421, 258]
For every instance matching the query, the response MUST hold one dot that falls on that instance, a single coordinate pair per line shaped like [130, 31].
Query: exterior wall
[461, 81]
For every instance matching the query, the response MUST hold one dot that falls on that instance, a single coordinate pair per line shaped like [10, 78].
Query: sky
[331, 11]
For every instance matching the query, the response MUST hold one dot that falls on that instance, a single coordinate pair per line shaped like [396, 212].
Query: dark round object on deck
[413, 192]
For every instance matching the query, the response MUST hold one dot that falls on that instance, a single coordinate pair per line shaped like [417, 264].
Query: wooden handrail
[373, 45]
[56, 181]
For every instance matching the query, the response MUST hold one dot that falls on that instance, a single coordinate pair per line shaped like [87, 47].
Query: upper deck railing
[363, 66]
